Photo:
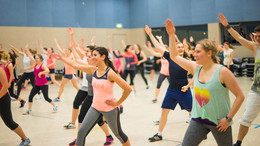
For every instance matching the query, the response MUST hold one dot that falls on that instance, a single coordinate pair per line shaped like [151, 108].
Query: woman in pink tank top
[104, 102]
[41, 83]
[70, 73]
[5, 103]
[8, 67]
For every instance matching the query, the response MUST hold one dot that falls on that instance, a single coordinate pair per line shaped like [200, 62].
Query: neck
[208, 65]
[102, 66]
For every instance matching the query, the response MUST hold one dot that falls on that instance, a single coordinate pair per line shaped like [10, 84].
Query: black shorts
[70, 77]
[52, 71]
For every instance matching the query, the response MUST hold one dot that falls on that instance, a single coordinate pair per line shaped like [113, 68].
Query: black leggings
[15, 76]
[81, 95]
[6, 113]
[23, 78]
[141, 69]
[84, 109]
[11, 90]
[132, 75]
[36, 89]
[161, 78]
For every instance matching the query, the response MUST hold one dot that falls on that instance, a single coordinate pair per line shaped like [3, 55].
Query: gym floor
[46, 128]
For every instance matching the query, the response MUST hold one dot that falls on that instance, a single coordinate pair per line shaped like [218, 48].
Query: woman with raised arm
[28, 63]
[228, 54]
[164, 72]
[220, 51]
[5, 105]
[140, 65]
[13, 59]
[8, 67]
[130, 61]
[104, 103]
[253, 102]
[174, 94]
[50, 63]
[70, 73]
[211, 110]
[41, 83]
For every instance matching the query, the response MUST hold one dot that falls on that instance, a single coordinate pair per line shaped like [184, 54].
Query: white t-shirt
[227, 55]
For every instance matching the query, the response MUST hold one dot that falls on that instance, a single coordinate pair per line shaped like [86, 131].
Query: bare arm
[186, 87]
[123, 44]
[85, 68]
[3, 81]
[93, 40]
[244, 42]
[188, 65]
[113, 77]
[154, 41]
[11, 70]
[150, 49]
[216, 44]
[231, 58]
[45, 70]
[227, 77]
[39, 43]
[16, 50]
[59, 47]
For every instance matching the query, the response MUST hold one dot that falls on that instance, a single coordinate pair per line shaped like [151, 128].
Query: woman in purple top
[41, 83]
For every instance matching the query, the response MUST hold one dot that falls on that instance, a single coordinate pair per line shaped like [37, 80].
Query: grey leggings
[196, 132]
[92, 117]
[161, 78]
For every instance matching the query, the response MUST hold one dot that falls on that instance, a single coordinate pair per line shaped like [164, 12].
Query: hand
[215, 40]
[222, 19]
[71, 43]
[128, 65]
[11, 45]
[138, 64]
[184, 41]
[82, 41]
[39, 74]
[158, 61]
[169, 27]
[111, 102]
[22, 49]
[223, 125]
[191, 39]
[56, 56]
[26, 46]
[148, 30]
[93, 39]
[71, 32]
[184, 88]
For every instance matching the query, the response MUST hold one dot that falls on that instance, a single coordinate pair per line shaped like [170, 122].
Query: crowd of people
[200, 79]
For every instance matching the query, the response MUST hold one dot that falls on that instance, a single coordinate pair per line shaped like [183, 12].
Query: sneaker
[70, 126]
[25, 142]
[156, 137]
[147, 87]
[56, 99]
[121, 110]
[156, 122]
[73, 143]
[154, 101]
[38, 96]
[27, 112]
[22, 103]
[55, 109]
[109, 140]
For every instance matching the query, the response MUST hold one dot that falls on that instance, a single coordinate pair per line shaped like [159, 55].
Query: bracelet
[228, 27]
[228, 119]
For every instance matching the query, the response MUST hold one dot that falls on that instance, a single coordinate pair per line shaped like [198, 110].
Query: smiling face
[257, 38]
[180, 49]
[226, 46]
[200, 54]
[50, 50]
[89, 58]
[97, 58]
[38, 59]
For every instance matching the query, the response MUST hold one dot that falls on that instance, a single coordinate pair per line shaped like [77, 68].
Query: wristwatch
[228, 119]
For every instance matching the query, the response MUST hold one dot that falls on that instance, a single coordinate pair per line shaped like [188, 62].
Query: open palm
[169, 27]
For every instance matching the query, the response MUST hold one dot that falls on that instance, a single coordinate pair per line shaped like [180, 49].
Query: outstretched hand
[56, 56]
[169, 27]
[222, 19]
[191, 39]
[148, 30]
[184, 41]
[71, 32]
[82, 41]
[159, 37]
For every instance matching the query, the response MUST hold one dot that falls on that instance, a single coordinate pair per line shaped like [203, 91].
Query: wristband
[228, 119]
[228, 27]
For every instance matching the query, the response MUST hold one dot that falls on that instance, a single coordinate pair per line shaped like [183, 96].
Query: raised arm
[59, 47]
[150, 49]
[177, 39]
[192, 41]
[40, 46]
[16, 50]
[32, 60]
[186, 64]
[154, 41]
[89, 69]
[93, 40]
[123, 44]
[216, 44]
[244, 42]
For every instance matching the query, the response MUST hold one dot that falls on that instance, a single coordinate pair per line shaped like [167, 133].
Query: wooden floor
[46, 128]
